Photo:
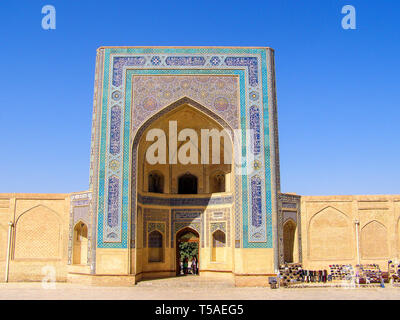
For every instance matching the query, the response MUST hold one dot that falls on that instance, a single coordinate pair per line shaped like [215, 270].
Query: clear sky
[338, 90]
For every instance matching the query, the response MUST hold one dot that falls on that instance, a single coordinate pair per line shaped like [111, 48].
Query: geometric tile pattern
[178, 202]
[220, 93]
[217, 226]
[182, 218]
[151, 226]
[155, 219]
[218, 219]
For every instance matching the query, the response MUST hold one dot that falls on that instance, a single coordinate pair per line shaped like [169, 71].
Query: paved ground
[187, 289]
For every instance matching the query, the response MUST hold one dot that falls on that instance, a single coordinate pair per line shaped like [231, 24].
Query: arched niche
[374, 241]
[330, 235]
[155, 246]
[289, 233]
[218, 246]
[217, 182]
[38, 234]
[80, 243]
[155, 182]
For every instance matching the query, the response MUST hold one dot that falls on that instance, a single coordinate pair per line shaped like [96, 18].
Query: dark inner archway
[187, 184]
[187, 247]
[289, 231]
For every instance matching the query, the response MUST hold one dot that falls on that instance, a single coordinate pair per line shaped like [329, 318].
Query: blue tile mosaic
[179, 202]
[185, 61]
[256, 210]
[250, 62]
[115, 130]
[254, 114]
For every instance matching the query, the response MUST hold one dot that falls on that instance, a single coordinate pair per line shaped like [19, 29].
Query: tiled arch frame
[113, 128]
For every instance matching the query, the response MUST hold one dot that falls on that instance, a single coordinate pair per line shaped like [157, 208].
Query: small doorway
[187, 252]
[289, 232]
[80, 241]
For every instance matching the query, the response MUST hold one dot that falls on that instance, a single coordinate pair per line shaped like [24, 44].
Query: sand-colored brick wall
[335, 229]
[350, 229]
[39, 237]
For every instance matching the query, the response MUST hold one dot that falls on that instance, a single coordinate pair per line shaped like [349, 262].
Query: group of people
[193, 268]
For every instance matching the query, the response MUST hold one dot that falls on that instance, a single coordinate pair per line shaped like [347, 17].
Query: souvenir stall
[291, 274]
[394, 271]
[369, 273]
[341, 272]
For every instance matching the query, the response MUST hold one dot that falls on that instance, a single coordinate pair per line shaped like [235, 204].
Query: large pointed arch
[138, 134]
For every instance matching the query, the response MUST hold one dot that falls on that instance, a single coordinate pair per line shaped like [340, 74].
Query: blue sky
[338, 90]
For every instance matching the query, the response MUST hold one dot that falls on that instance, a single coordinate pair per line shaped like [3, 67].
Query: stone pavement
[189, 281]
[187, 288]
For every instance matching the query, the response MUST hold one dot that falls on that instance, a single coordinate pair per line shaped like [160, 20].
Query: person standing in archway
[185, 265]
[194, 265]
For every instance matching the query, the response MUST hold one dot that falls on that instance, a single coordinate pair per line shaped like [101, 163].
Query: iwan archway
[172, 190]
[230, 88]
